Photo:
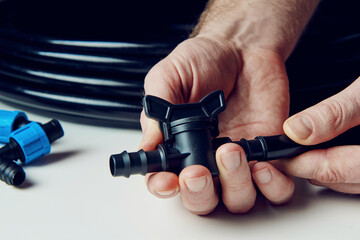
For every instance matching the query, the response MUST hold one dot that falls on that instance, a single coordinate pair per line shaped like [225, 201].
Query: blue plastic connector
[33, 141]
[9, 121]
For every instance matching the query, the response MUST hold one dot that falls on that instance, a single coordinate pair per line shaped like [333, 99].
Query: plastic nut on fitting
[34, 139]
[10, 121]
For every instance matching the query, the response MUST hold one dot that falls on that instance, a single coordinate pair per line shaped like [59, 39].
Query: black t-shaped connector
[190, 132]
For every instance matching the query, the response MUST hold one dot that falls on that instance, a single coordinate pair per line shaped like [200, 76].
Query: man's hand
[240, 47]
[256, 91]
[339, 167]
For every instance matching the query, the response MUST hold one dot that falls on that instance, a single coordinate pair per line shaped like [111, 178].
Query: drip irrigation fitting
[190, 131]
[27, 144]
[9, 122]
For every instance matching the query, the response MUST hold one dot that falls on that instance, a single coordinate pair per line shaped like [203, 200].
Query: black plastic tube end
[140, 162]
[11, 173]
[18, 178]
[53, 130]
[120, 165]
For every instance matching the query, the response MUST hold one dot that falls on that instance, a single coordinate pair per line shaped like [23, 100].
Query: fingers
[273, 184]
[162, 184]
[339, 167]
[239, 193]
[172, 79]
[335, 165]
[327, 119]
[197, 190]
[183, 77]
[163, 81]
[195, 185]
[160, 82]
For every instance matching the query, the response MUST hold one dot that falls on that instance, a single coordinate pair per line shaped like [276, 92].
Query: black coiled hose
[87, 61]
[67, 62]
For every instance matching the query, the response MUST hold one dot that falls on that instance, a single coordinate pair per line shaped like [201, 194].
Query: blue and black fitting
[9, 122]
[27, 144]
[34, 139]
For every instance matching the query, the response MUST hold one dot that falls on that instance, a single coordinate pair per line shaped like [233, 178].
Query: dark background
[325, 61]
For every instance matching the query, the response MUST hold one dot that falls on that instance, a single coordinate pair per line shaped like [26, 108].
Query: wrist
[272, 25]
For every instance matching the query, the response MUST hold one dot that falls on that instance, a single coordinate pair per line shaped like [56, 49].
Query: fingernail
[301, 126]
[196, 184]
[231, 160]
[263, 176]
[167, 193]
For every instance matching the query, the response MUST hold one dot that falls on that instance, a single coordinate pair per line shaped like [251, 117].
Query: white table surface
[70, 194]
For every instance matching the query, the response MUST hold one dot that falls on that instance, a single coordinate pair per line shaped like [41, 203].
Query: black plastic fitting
[141, 162]
[53, 130]
[190, 132]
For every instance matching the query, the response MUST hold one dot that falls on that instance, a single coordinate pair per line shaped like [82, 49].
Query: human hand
[240, 47]
[255, 86]
[337, 168]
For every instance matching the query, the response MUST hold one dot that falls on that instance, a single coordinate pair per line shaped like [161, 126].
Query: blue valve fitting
[10, 121]
[32, 140]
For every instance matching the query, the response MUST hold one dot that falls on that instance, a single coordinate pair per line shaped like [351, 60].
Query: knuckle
[334, 112]
[165, 79]
[238, 186]
[162, 71]
[329, 174]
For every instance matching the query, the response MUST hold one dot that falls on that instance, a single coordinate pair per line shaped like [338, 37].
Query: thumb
[152, 135]
[326, 119]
